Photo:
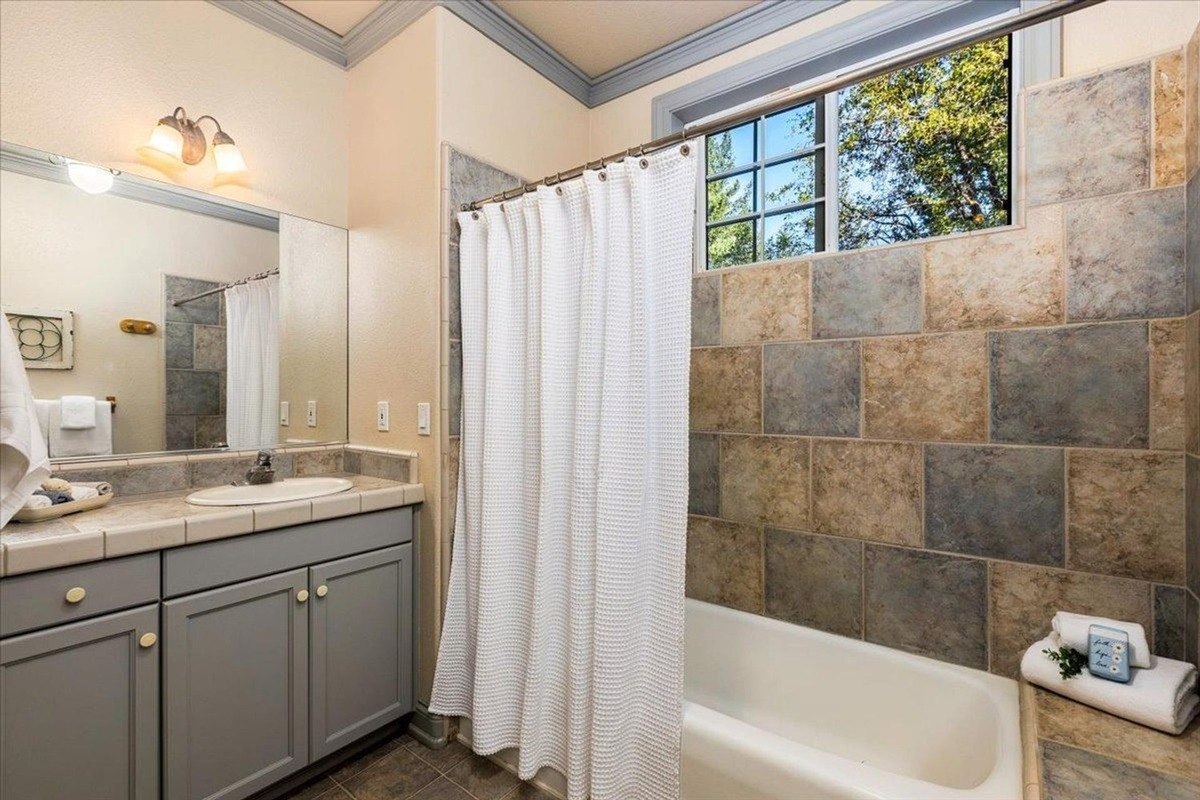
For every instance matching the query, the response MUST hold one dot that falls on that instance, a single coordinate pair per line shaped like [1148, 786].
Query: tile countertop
[144, 522]
[1073, 752]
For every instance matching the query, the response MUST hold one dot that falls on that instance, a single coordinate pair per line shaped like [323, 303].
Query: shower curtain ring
[684, 149]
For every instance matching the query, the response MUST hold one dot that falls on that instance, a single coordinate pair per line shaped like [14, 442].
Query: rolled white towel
[1072, 629]
[81, 492]
[101, 487]
[38, 501]
[1163, 698]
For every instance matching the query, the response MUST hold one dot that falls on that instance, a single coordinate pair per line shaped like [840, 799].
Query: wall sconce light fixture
[181, 138]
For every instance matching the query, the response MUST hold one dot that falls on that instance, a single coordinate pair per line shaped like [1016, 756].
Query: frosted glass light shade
[167, 139]
[229, 158]
[90, 178]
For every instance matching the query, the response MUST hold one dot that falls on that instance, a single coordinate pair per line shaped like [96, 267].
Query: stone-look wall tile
[472, 179]
[706, 310]
[765, 304]
[455, 404]
[380, 465]
[997, 502]
[1125, 256]
[1168, 349]
[138, 480]
[704, 475]
[1191, 382]
[1192, 101]
[453, 453]
[1081, 385]
[210, 431]
[1168, 133]
[1193, 628]
[726, 393]
[1067, 722]
[814, 581]
[220, 471]
[1193, 241]
[210, 347]
[178, 344]
[764, 480]
[1072, 774]
[454, 290]
[1088, 136]
[1024, 599]
[1170, 622]
[926, 387]
[181, 432]
[1192, 512]
[867, 293]
[724, 563]
[206, 310]
[192, 392]
[811, 388]
[927, 603]
[317, 462]
[867, 490]
[997, 280]
[1125, 513]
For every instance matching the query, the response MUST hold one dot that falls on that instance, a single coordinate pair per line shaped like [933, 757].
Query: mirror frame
[36, 163]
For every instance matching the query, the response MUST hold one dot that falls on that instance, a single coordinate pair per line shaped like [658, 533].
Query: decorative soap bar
[1108, 653]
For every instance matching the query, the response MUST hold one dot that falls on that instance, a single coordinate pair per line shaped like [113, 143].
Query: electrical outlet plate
[285, 413]
[423, 419]
[312, 413]
[382, 416]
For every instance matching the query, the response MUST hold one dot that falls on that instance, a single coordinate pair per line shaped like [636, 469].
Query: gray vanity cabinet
[361, 628]
[79, 710]
[235, 687]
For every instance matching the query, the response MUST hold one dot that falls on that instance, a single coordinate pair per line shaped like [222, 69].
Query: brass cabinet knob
[302, 595]
[76, 594]
[322, 590]
[148, 639]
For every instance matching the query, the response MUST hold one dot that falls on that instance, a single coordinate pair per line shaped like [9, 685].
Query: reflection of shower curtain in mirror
[252, 348]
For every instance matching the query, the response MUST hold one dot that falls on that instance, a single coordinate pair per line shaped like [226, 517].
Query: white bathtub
[779, 712]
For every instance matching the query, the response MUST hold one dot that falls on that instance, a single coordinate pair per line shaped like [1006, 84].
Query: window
[922, 151]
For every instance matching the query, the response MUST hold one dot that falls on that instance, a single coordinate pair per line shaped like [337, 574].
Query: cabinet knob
[302, 596]
[76, 594]
[148, 639]
[322, 590]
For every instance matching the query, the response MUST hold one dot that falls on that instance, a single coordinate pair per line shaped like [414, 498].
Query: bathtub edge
[1030, 770]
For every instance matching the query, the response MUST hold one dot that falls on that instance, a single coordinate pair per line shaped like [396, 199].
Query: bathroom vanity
[212, 669]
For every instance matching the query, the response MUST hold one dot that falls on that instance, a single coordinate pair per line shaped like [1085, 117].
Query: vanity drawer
[211, 564]
[41, 599]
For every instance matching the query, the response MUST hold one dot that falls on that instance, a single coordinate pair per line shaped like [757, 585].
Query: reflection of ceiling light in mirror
[89, 177]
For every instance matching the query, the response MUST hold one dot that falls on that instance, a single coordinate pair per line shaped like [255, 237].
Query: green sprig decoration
[1070, 662]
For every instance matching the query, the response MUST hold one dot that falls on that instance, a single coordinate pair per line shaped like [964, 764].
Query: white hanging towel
[252, 359]
[74, 442]
[24, 460]
[563, 633]
[78, 412]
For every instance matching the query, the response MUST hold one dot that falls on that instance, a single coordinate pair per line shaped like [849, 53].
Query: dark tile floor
[403, 768]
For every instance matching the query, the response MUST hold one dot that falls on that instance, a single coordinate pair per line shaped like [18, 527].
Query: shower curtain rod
[939, 47]
[256, 277]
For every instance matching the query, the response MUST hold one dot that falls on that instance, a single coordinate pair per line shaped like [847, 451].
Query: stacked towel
[1072, 629]
[1163, 697]
[94, 441]
[78, 412]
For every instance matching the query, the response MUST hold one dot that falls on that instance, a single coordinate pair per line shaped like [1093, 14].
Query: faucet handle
[264, 458]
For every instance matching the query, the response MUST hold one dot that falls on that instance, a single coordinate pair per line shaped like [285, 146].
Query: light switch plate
[382, 416]
[312, 413]
[423, 419]
[285, 413]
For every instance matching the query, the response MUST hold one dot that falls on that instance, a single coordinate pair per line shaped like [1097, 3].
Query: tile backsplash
[934, 446]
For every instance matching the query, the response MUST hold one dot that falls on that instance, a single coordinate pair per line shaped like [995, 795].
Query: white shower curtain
[563, 633]
[252, 364]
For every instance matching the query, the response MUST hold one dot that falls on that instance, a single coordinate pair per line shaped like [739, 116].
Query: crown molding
[36, 163]
[393, 16]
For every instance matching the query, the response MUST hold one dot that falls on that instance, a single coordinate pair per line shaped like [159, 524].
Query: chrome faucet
[261, 472]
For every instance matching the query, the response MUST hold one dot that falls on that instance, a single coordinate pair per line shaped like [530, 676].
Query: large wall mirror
[151, 318]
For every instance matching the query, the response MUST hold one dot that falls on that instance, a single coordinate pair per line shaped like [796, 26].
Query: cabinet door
[235, 687]
[79, 710]
[361, 627]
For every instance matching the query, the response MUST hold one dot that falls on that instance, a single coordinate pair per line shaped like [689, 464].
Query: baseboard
[430, 729]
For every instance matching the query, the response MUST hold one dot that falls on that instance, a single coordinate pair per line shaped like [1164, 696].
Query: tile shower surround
[934, 446]
[194, 343]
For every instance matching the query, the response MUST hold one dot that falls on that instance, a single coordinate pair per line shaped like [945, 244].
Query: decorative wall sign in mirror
[201, 315]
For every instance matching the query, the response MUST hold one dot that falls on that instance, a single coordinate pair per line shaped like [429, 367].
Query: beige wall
[312, 327]
[103, 258]
[1122, 30]
[89, 80]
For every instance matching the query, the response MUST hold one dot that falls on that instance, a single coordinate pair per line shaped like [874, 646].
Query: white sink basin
[278, 492]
